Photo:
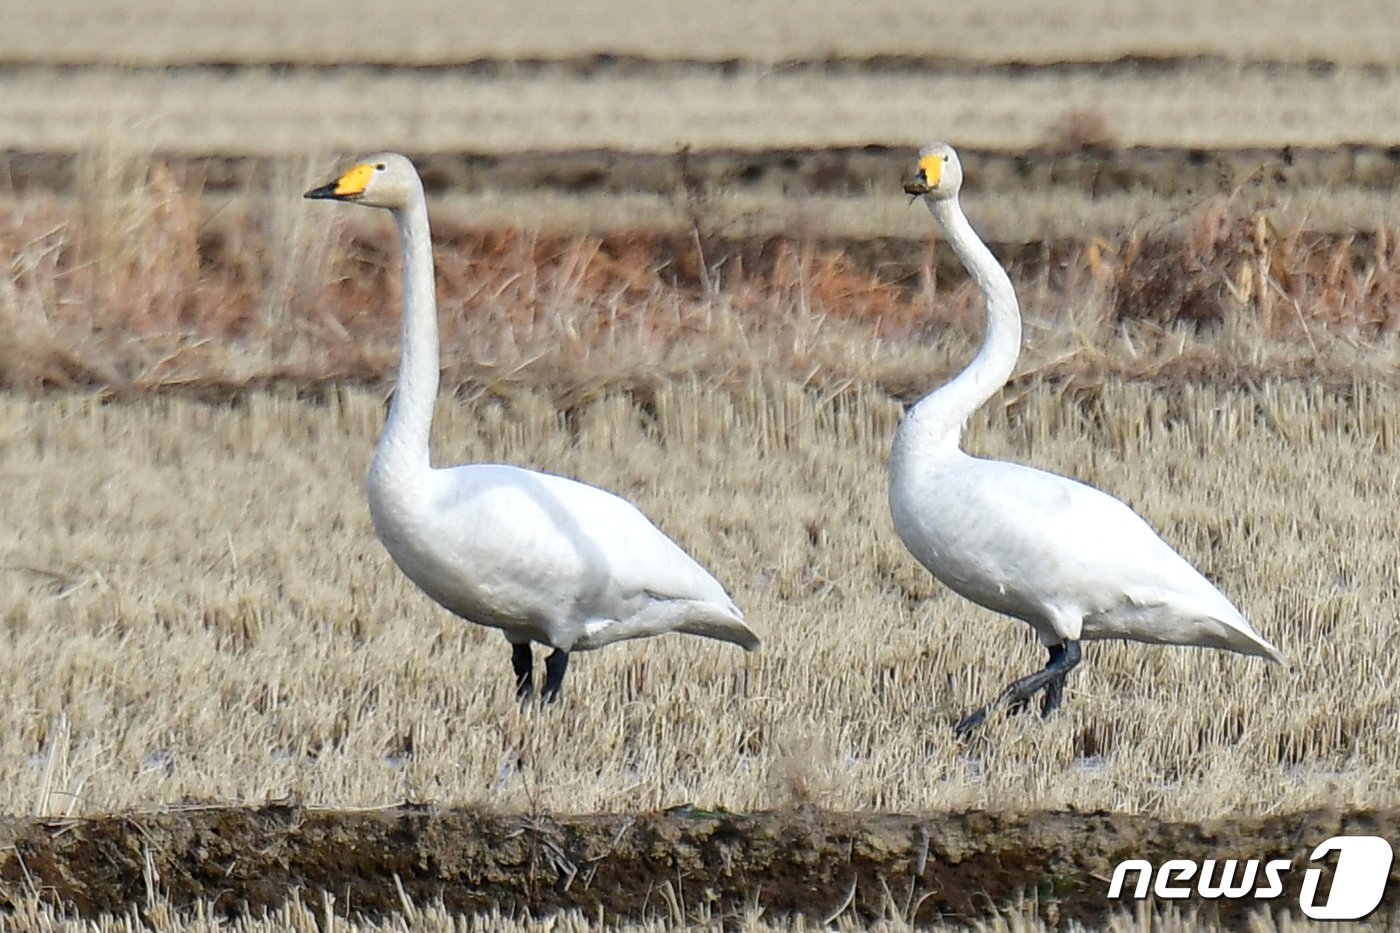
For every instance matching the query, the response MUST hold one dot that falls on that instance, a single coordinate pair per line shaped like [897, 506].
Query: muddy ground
[1084, 168]
[935, 866]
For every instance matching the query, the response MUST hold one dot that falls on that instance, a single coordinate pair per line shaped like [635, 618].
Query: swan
[1072, 562]
[542, 558]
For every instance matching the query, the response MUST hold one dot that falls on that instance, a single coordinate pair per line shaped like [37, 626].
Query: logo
[1358, 879]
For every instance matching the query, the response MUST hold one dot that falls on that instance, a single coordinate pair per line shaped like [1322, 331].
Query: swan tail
[731, 631]
[1205, 621]
[1232, 631]
[722, 626]
[690, 617]
[1251, 642]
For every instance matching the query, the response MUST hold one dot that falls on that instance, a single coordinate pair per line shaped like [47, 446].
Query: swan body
[985, 527]
[1072, 562]
[542, 558]
[548, 559]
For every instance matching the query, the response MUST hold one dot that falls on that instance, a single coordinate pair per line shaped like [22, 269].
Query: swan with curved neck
[542, 558]
[1072, 562]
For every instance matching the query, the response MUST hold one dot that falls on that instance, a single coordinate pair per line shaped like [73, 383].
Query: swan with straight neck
[543, 558]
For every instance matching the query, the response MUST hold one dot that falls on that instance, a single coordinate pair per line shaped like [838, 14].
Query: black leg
[1055, 689]
[1063, 659]
[554, 667]
[523, 660]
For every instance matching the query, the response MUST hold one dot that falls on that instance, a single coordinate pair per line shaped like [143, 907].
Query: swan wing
[1067, 558]
[557, 561]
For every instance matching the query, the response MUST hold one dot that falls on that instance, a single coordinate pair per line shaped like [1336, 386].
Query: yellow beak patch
[932, 167]
[354, 182]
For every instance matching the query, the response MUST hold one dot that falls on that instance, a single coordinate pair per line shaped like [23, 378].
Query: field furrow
[683, 864]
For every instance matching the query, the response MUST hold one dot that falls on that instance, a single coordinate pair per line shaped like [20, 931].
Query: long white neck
[933, 428]
[403, 447]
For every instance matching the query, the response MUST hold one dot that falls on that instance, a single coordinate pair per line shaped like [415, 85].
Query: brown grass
[137, 283]
[1224, 263]
[197, 609]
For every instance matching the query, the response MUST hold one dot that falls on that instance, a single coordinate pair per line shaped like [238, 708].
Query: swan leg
[554, 667]
[1063, 659]
[523, 661]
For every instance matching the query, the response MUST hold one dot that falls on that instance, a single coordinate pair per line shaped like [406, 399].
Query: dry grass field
[197, 613]
[1351, 32]
[276, 111]
[245, 639]
[176, 543]
[674, 260]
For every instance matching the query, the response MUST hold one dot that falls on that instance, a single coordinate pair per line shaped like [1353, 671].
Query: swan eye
[379, 166]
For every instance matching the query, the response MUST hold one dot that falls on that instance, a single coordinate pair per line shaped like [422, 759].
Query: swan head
[385, 179]
[938, 174]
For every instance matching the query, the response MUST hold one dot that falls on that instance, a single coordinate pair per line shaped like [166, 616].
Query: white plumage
[1063, 557]
[542, 558]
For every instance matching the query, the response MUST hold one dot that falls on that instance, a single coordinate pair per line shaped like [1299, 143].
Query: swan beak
[929, 174]
[347, 187]
[916, 186]
[323, 193]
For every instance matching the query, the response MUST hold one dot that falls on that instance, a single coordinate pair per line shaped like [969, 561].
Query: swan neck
[404, 443]
[935, 425]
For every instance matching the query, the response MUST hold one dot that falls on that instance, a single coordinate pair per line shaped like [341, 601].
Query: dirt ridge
[958, 865]
[1092, 169]
[630, 64]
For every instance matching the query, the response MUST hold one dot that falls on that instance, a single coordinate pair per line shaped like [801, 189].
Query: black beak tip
[323, 193]
[911, 188]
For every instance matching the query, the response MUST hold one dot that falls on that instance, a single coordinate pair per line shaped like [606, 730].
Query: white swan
[540, 557]
[1063, 557]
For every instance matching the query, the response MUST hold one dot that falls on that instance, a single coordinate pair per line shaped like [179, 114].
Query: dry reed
[138, 286]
